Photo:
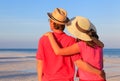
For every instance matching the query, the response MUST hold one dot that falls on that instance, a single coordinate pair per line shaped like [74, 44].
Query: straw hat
[59, 16]
[79, 26]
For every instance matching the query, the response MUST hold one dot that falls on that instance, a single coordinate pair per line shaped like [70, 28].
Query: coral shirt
[54, 66]
[93, 56]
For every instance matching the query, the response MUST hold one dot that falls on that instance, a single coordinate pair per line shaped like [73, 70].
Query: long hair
[95, 39]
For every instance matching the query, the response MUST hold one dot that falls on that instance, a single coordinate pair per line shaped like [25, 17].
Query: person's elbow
[57, 52]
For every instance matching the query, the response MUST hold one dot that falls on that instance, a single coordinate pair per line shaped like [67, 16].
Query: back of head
[59, 17]
[59, 26]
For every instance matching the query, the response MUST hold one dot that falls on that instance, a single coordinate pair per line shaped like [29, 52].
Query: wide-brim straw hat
[78, 26]
[59, 16]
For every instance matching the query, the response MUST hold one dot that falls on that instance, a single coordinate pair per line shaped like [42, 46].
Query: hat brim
[72, 29]
[57, 21]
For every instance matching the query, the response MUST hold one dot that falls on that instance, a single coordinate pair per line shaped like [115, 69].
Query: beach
[112, 68]
[16, 66]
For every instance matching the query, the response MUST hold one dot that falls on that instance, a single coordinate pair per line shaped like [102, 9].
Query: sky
[23, 22]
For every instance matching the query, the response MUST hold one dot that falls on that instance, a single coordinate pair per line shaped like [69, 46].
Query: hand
[48, 33]
[103, 75]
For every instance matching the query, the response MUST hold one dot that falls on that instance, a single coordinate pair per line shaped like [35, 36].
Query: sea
[107, 52]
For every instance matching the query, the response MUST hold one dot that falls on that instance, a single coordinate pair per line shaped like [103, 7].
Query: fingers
[103, 75]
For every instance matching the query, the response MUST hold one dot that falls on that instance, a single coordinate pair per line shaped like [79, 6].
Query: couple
[57, 52]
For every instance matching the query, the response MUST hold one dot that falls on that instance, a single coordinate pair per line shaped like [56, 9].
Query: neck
[58, 31]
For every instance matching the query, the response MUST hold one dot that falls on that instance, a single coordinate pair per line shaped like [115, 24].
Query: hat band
[80, 29]
[58, 20]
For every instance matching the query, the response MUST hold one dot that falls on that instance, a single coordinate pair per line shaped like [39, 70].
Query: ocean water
[112, 53]
[29, 50]
[107, 52]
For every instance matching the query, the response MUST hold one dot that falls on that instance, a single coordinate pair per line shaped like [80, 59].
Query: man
[51, 67]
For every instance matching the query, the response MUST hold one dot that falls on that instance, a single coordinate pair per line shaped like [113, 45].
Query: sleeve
[40, 51]
[76, 56]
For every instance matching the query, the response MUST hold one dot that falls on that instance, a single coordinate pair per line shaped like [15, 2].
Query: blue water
[30, 50]
[107, 52]
[111, 52]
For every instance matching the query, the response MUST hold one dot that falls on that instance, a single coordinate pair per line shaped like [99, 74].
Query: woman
[89, 46]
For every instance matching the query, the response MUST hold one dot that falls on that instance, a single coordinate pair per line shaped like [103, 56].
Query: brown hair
[95, 39]
[59, 26]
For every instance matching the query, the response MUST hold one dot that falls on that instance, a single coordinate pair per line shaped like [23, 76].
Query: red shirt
[56, 66]
[93, 56]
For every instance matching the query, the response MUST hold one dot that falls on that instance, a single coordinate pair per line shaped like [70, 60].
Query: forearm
[87, 67]
[70, 50]
[39, 69]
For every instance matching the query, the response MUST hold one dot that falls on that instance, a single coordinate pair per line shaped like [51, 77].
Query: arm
[72, 50]
[89, 68]
[62, 51]
[39, 69]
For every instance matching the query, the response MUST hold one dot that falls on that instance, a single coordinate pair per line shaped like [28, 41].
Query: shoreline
[15, 66]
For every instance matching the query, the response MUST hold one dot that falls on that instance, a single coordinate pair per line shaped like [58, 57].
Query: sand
[112, 68]
[17, 67]
[22, 67]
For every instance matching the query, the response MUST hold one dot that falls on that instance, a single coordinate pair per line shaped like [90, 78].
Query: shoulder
[43, 38]
[68, 40]
[70, 37]
[81, 43]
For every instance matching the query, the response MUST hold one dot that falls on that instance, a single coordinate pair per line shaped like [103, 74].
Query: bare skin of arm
[39, 69]
[89, 68]
[73, 49]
